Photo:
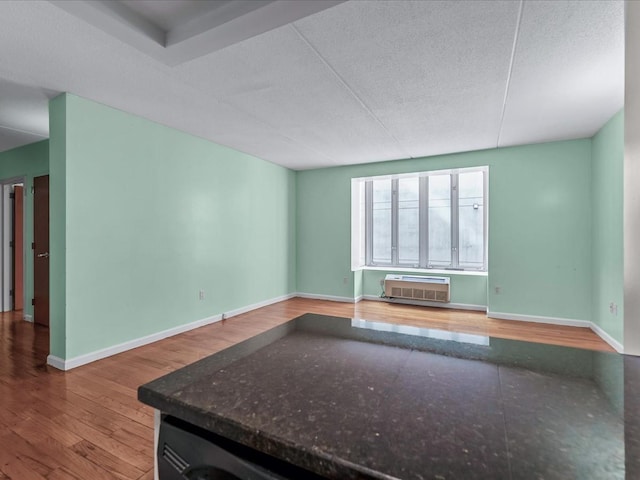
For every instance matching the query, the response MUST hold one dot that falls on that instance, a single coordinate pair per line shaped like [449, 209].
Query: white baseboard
[56, 362]
[617, 346]
[131, 344]
[426, 303]
[27, 318]
[332, 298]
[271, 301]
[570, 322]
[80, 360]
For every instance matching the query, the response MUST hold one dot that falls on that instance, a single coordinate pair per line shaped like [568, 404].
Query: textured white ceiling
[432, 73]
[23, 114]
[362, 81]
[568, 71]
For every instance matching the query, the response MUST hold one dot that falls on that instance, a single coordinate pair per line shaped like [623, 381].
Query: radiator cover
[417, 287]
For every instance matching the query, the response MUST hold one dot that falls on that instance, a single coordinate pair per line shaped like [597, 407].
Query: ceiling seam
[275, 129]
[23, 131]
[350, 90]
[262, 122]
[508, 85]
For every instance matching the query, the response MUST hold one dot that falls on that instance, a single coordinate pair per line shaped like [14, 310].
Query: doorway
[17, 271]
[12, 259]
[18, 248]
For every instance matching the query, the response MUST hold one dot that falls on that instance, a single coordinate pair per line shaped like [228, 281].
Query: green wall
[144, 216]
[29, 161]
[57, 226]
[539, 228]
[607, 160]
[153, 216]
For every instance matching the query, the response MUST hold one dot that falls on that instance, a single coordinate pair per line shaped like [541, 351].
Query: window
[424, 220]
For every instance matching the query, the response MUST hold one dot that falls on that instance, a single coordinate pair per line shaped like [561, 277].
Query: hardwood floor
[87, 423]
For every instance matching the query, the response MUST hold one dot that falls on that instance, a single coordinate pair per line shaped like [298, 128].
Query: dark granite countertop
[355, 399]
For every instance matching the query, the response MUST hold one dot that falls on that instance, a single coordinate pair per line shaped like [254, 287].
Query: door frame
[6, 236]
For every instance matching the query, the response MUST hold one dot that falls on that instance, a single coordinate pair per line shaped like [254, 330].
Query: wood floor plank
[147, 475]
[109, 461]
[106, 419]
[113, 399]
[99, 439]
[61, 474]
[70, 460]
[95, 414]
[143, 444]
[33, 429]
[18, 459]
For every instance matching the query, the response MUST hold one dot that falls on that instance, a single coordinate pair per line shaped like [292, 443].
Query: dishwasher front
[187, 452]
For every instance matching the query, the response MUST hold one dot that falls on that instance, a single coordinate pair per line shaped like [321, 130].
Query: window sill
[430, 271]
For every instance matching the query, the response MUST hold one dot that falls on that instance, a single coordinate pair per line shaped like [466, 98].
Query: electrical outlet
[613, 308]
[201, 295]
[382, 282]
[345, 280]
[498, 290]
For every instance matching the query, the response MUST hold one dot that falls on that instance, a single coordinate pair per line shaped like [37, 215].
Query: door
[41, 250]
[18, 247]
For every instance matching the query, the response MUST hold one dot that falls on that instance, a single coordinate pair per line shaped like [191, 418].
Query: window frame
[423, 215]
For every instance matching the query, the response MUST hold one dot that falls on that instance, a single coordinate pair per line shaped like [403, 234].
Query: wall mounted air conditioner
[417, 287]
